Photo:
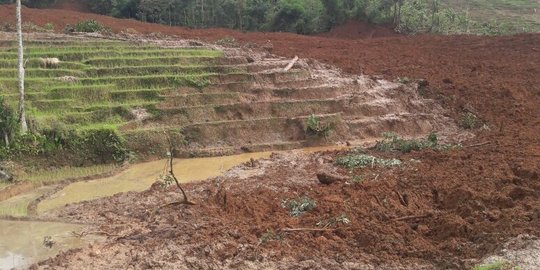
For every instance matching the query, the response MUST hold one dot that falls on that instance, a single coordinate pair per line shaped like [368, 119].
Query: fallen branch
[171, 171]
[412, 217]
[306, 230]
[291, 64]
[477, 145]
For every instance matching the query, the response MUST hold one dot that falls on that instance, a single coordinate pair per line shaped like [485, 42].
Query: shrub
[469, 121]
[102, 145]
[8, 123]
[315, 127]
[49, 27]
[7, 27]
[89, 26]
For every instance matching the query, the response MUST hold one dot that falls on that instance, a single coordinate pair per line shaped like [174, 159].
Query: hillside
[218, 100]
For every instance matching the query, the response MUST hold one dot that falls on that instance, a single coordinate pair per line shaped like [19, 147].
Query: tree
[8, 122]
[22, 112]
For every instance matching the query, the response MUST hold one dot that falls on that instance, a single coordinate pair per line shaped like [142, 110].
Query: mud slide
[441, 210]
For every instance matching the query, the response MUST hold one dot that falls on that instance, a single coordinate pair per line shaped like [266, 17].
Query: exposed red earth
[460, 205]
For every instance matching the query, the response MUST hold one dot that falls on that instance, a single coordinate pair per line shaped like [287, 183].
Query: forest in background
[309, 16]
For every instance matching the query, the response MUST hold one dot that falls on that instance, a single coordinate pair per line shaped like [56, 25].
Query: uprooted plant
[352, 161]
[325, 223]
[270, 235]
[298, 206]
[169, 176]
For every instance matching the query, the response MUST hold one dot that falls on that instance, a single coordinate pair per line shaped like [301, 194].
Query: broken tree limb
[306, 230]
[477, 145]
[291, 64]
[413, 217]
[171, 170]
[329, 178]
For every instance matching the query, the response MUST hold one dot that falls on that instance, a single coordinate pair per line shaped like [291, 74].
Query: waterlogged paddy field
[140, 177]
[21, 242]
[17, 206]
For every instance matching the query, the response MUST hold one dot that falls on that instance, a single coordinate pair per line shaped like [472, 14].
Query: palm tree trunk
[22, 112]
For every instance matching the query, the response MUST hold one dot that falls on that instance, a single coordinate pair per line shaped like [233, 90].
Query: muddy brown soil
[460, 205]
[428, 213]
[360, 30]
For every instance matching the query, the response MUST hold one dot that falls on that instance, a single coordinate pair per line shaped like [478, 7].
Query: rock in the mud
[328, 178]
[5, 176]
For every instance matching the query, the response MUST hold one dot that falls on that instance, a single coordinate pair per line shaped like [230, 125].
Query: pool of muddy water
[141, 176]
[23, 242]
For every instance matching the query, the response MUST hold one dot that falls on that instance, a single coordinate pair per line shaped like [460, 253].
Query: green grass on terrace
[82, 55]
[517, 13]
[151, 60]
[111, 79]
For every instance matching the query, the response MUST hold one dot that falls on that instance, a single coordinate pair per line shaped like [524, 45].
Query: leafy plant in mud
[316, 127]
[325, 223]
[298, 206]
[269, 235]
[351, 161]
[469, 121]
[498, 265]
[357, 179]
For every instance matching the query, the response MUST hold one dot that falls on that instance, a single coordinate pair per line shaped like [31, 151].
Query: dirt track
[479, 196]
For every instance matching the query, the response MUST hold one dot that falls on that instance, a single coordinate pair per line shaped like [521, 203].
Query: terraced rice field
[220, 100]
[105, 84]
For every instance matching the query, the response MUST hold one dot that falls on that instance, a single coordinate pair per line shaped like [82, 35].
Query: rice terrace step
[214, 97]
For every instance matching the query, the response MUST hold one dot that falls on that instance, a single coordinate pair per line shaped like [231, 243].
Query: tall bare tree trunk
[22, 112]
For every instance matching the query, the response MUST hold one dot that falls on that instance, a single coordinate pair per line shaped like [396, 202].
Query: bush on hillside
[88, 26]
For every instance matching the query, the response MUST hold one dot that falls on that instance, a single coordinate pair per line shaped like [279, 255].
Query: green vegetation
[65, 173]
[484, 17]
[316, 127]
[270, 235]
[352, 161]
[313, 16]
[298, 206]
[499, 265]
[79, 117]
[469, 121]
[392, 142]
[89, 26]
[325, 223]
[500, 16]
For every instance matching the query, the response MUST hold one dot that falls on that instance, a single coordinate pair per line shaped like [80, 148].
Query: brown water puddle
[141, 176]
[22, 242]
